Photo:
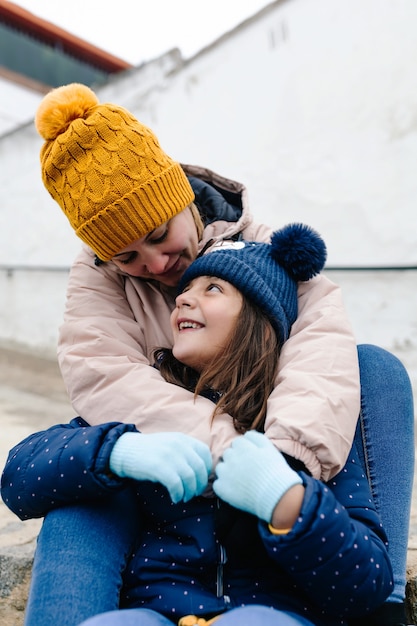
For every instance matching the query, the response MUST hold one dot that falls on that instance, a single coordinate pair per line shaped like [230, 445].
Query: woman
[275, 546]
[145, 219]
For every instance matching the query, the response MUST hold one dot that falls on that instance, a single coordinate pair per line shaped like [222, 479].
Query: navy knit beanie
[266, 274]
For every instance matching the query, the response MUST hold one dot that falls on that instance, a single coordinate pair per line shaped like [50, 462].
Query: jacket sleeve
[314, 408]
[64, 464]
[337, 544]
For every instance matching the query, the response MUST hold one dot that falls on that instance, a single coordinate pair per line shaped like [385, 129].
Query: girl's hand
[253, 476]
[179, 462]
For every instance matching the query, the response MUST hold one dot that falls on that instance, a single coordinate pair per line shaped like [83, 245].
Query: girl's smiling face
[203, 319]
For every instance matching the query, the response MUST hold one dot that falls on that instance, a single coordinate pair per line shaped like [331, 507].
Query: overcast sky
[137, 31]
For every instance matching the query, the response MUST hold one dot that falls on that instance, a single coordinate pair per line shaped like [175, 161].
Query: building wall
[313, 105]
[17, 104]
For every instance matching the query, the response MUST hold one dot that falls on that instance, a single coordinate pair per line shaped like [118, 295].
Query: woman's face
[163, 254]
[203, 319]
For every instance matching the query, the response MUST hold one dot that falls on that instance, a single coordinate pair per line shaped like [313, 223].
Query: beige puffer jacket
[113, 322]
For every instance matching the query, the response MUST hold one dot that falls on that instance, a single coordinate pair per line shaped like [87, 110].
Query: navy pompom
[299, 250]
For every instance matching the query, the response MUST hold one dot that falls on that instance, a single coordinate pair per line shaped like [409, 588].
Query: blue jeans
[79, 559]
[385, 442]
[254, 615]
[82, 550]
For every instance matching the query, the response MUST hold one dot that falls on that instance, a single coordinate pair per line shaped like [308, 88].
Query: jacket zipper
[220, 571]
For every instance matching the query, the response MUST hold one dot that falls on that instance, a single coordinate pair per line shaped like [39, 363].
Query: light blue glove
[253, 475]
[179, 462]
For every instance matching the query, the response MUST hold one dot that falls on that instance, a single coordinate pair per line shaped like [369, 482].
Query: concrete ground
[33, 397]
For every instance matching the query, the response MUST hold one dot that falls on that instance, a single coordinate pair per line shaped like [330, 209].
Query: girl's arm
[64, 464]
[76, 462]
[345, 568]
[335, 551]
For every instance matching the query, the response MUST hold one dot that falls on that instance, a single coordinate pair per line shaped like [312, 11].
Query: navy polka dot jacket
[204, 557]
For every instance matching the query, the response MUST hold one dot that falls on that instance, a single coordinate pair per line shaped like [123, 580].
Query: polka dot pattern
[204, 556]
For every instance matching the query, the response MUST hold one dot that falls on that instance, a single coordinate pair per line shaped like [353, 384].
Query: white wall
[313, 105]
[16, 104]
[383, 309]
[33, 309]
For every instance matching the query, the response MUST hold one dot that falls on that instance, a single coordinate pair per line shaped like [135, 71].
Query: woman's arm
[313, 410]
[112, 326]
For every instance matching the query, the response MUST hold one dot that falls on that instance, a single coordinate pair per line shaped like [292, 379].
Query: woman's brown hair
[243, 373]
[198, 220]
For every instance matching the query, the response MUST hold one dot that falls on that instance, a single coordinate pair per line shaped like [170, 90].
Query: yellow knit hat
[106, 170]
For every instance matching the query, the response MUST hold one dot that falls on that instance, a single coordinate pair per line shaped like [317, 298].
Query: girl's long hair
[243, 373]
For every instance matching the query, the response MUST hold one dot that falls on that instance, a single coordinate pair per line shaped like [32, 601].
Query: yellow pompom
[188, 620]
[61, 106]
